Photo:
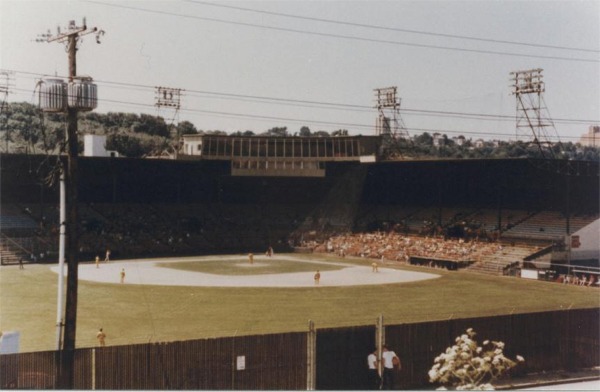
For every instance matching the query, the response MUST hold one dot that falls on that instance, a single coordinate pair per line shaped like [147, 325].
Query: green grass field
[146, 313]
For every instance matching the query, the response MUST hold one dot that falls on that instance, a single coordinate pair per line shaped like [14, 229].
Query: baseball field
[175, 299]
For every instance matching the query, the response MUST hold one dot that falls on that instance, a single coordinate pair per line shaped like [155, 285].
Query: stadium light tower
[532, 112]
[57, 96]
[169, 98]
[389, 121]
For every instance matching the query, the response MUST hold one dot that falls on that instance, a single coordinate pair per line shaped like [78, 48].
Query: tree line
[24, 128]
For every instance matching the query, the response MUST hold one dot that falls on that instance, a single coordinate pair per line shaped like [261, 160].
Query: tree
[424, 139]
[26, 125]
[304, 131]
[152, 125]
[127, 145]
[277, 131]
[186, 128]
[244, 134]
[54, 137]
[340, 132]
[215, 132]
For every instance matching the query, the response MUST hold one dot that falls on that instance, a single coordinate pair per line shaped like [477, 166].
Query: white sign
[241, 362]
[529, 274]
[9, 343]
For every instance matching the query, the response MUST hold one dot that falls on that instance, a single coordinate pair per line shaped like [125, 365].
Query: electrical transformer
[53, 95]
[83, 94]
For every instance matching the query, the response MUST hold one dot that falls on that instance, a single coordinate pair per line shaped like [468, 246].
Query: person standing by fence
[390, 362]
[374, 378]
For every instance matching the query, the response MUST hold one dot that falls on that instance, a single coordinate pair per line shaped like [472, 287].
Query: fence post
[311, 357]
[233, 361]
[93, 351]
[380, 340]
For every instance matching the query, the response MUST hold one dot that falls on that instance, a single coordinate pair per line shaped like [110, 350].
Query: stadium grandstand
[487, 215]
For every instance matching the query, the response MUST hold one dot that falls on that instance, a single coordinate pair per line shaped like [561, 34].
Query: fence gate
[342, 357]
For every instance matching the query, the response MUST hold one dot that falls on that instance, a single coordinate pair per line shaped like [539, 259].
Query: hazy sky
[316, 63]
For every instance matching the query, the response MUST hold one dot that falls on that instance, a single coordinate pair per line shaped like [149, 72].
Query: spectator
[373, 364]
[389, 359]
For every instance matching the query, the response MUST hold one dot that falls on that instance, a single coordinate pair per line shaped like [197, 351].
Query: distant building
[479, 143]
[438, 139]
[95, 146]
[459, 141]
[592, 138]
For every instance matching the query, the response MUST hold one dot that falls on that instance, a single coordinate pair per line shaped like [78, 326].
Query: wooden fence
[549, 341]
[247, 362]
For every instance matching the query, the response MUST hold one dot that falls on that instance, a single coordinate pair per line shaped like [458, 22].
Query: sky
[255, 65]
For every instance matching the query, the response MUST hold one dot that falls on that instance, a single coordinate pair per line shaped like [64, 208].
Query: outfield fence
[325, 359]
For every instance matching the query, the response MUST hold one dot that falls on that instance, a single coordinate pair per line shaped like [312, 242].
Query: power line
[332, 35]
[336, 105]
[316, 122]
[421, 32]
[305, 121]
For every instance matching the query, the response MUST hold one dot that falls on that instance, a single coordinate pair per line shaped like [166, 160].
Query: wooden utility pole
[67, 353]
[72, 243]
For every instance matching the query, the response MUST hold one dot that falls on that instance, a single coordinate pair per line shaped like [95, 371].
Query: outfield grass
[144, 313]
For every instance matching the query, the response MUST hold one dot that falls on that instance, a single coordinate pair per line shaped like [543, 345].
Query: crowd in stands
[141, 230]
[579, 280]
[394, 246]
[132, 230]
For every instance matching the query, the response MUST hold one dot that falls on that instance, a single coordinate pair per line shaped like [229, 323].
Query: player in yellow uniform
[101, 336]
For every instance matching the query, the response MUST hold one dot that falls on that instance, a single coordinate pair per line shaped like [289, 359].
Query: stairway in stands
[508, 254]
[11, 251]
[17, 238]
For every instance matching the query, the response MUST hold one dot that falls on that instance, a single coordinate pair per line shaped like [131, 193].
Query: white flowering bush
[468, 366]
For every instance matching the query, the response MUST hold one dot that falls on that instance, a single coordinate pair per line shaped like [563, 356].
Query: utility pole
[67, 355]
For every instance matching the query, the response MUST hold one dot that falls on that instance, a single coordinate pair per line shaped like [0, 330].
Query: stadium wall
[511, 183]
